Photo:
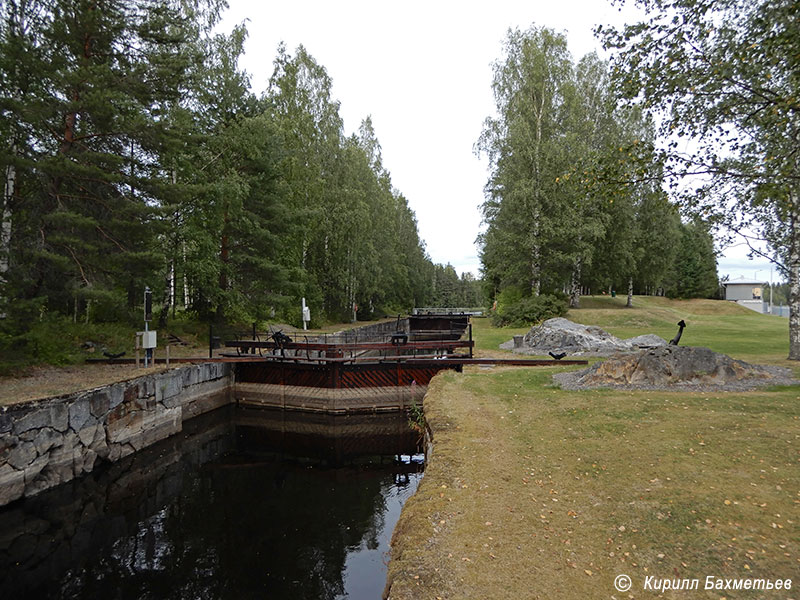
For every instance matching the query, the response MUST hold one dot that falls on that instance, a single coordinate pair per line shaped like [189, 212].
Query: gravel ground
[45, 382]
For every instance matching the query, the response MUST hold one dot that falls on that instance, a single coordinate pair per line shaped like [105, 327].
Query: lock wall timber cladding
[47, 442]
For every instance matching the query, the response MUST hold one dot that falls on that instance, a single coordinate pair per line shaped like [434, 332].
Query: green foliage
[572, 200]
[524, 210]
[451, 291]
[57, 340]
[416, 419]
[351, 233]
[780, 293]
[137, 155]
[509, 296]
[724, 75]
[694, 271]
[658, 229]
[515, 310]
[87, 107]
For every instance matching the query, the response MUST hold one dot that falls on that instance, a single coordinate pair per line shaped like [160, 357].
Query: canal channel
[243, 503]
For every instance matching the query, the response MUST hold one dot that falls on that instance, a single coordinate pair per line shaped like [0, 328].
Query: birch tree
[591, 129]
[724, 75]
[523, 144]
[16, 40]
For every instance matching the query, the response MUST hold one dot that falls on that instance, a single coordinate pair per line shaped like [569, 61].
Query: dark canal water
[242, 504]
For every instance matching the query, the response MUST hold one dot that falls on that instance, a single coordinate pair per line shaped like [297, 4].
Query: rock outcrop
[562, 335]
[668, 367]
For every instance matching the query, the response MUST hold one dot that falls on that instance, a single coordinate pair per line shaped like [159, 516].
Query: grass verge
[536, 492]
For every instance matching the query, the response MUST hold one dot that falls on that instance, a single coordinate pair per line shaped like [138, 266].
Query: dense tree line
[780, 293]
[574, 200]
[135, 154]
[451, 291]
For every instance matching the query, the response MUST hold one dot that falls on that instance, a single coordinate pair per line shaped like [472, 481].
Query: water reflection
[243, 504]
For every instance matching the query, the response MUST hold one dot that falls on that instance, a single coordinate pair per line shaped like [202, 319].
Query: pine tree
[102, 76]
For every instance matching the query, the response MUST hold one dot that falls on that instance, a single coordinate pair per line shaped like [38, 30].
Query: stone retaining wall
[69, 524]
[47, 442]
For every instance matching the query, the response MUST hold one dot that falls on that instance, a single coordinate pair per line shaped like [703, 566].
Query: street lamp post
[770, 289]
[760, 287]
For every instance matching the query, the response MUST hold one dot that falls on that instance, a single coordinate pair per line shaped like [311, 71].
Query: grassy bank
[534, 492]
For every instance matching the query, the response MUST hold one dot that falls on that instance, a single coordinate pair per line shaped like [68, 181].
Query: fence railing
[781, 311]
[430, 310]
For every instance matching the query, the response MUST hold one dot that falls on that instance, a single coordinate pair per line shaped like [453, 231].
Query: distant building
[746, 292]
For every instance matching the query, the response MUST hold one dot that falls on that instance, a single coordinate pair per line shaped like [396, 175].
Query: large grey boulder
[649, 340]
[562, 335]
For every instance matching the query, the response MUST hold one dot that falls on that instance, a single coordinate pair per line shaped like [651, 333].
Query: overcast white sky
[422, 70]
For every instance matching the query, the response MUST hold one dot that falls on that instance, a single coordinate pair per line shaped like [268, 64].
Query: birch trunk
[536, 255]
[173, 292]
[185, 279]
[536, 282]
[536, 251]
[575, 290]
[629, 303]
[5, 226]
[351, 283]
[16, 28]
[794, 278]
[169, 286]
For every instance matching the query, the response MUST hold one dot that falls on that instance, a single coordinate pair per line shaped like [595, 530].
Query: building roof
[743, 281]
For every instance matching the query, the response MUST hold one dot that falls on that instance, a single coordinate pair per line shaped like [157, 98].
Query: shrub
[529, 310]
[57, 340]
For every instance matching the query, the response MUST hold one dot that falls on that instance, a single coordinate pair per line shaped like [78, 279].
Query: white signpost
[306, 314]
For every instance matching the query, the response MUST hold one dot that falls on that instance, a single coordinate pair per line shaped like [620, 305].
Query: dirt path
[44, 382]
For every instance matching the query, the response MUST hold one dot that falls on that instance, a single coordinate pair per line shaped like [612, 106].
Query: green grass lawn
[536, 492]
[488, 338]
[722, 326]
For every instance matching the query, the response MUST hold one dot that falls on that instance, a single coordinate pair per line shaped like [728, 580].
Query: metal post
[210, 340]
[470, 340]
[146, 350]
[148, 315]
[770, 289]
